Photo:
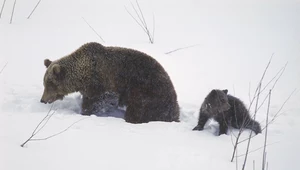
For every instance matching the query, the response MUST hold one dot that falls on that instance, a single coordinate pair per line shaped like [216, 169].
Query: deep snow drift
[233, 43]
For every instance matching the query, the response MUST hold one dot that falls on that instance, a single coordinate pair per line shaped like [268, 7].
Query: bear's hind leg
[133, 114]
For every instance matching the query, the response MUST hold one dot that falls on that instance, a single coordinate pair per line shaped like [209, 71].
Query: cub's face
[216, 102]
[53, 83]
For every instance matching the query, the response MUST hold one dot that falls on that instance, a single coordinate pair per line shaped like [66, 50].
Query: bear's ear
[225, 91]
[56, 69]
[213, 92]
[47, 62]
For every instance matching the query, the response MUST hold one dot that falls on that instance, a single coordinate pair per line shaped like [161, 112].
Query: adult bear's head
[54, 86]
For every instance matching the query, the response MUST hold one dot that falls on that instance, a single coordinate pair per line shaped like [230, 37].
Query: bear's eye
[51, 85]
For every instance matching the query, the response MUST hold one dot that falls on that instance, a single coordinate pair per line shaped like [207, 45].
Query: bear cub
[227, 110]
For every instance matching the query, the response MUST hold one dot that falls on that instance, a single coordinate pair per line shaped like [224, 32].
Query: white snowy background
[234, 42]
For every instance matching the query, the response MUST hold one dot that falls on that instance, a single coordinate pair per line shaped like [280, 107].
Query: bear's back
[136, 65]
[238, 108]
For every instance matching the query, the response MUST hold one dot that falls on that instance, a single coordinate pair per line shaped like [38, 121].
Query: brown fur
[140, 81]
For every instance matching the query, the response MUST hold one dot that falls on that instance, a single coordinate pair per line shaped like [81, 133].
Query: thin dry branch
[249, 93]
[177, 49]
[266, 133]
[236, 161]
[140, 20]
[2, 8]
[153, 29]
[34, 9]
[257, 149]
[235, 145]
[93, 30]
[37, 128]
[3, 68]
[144, 21]
[260, 82]
[43, 123]
[12, 13]
[281, 71]
[136, 21]
[257, 93]
[249, 141]
[51, 136]
[278, 113]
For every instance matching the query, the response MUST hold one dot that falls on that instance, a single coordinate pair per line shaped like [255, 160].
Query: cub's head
[54, 87]
[216, 102]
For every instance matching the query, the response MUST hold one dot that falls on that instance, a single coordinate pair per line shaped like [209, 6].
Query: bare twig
[34, 9]
[153, 29]
[93, 30]
[12, 14]
[260, 82]
[3, 68]
[251, 102]
[140, 20]
[281, 71]
[249, 140]
[257, 149]
[177, 49]
[2, 8]
[249, 93]
[44, 121]
[236, 144]
[136, 20]
[37, 128]
[236, 161]
[278, 113]
[266, 133]
[51, 136]
[144, 21]
[253, 164]
[231, 134]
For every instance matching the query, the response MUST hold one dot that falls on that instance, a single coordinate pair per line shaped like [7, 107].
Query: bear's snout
[42, 101]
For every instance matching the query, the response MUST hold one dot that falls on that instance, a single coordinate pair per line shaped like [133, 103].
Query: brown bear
[141, 83]
[227, 110]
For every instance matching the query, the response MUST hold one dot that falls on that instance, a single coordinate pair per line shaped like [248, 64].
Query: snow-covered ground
[234, 41]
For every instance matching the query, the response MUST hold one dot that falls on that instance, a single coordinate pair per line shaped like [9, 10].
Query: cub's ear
[225, 91]
[56, 69]
[213, 92]
[47, 62]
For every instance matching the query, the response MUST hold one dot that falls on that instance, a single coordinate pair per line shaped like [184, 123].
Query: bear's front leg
[88, 105]
[203, 117]
[223, 123]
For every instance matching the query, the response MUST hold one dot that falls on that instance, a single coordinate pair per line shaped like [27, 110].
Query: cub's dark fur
[227, 110]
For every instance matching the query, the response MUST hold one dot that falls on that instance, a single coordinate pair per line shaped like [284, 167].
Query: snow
[234, 42]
